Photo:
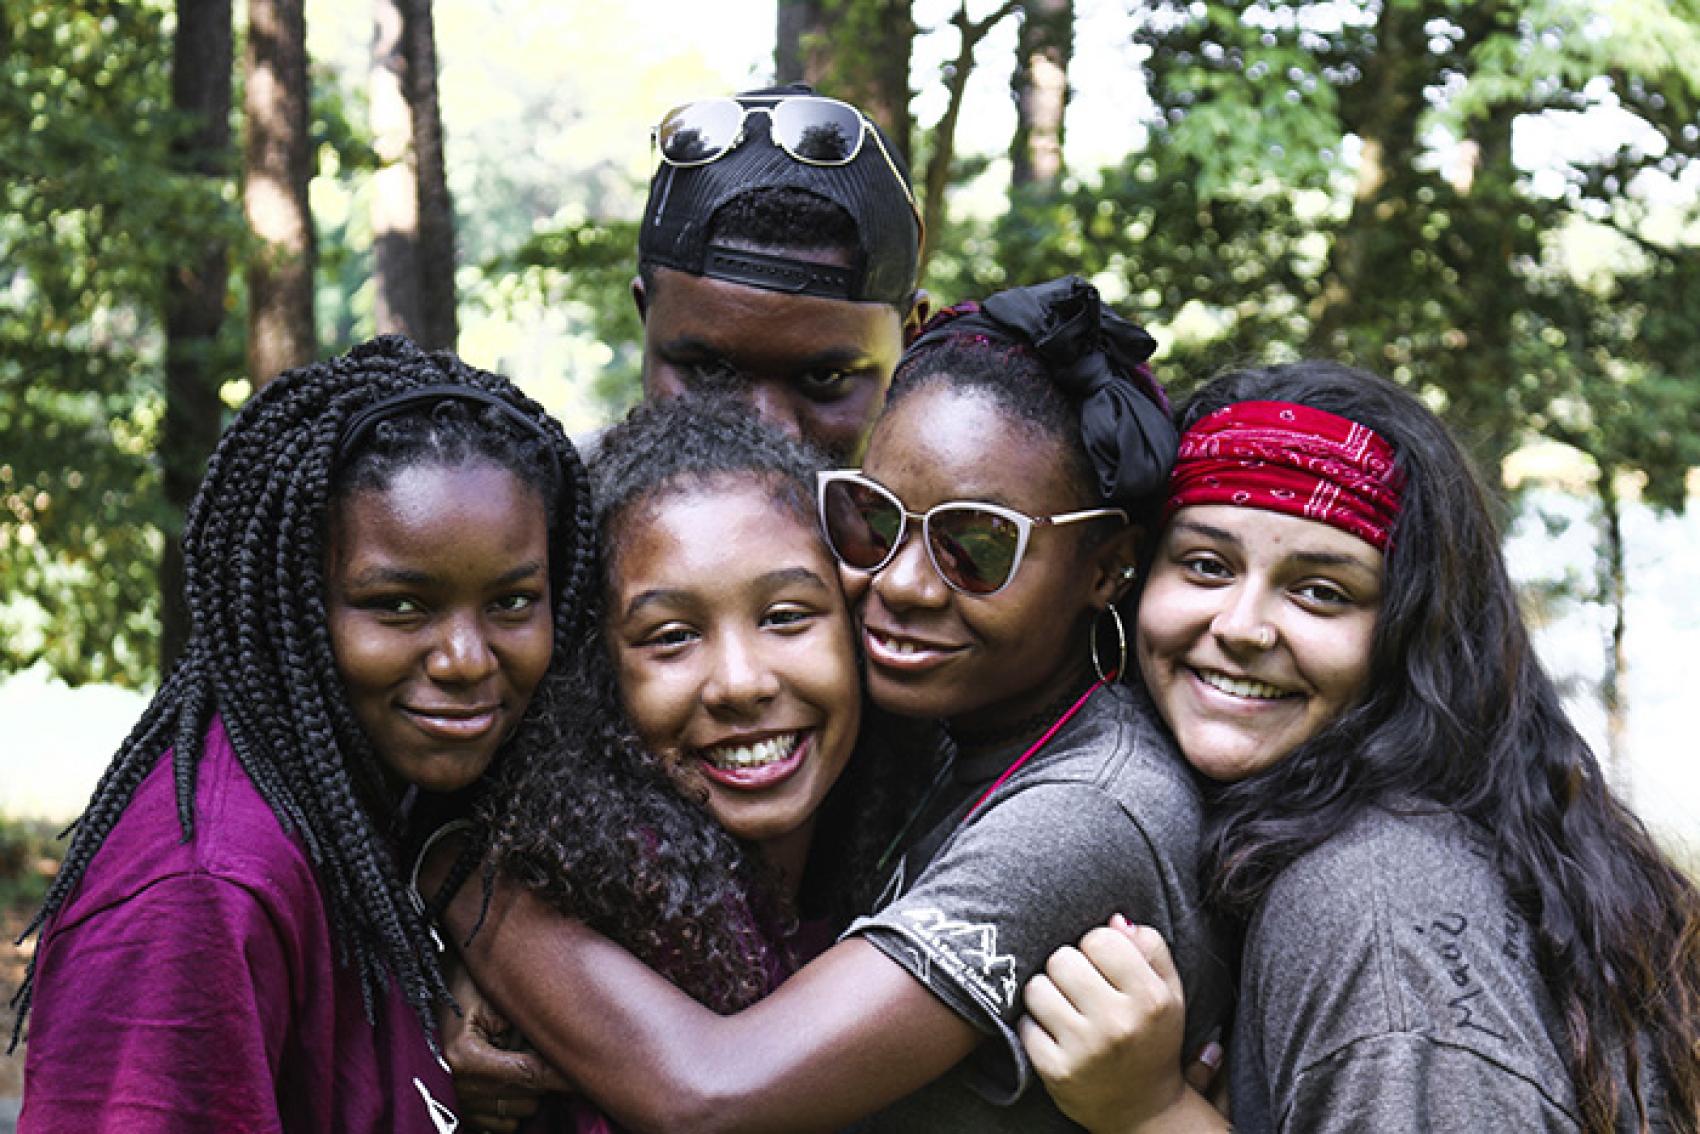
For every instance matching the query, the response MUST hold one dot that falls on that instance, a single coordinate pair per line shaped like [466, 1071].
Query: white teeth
[1240, 688]
[901, 646]
[769, 751]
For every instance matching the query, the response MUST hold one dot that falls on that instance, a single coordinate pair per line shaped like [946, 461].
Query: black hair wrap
[1097, 358]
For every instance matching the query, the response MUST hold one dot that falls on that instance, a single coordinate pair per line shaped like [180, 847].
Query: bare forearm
[1190, 1113]
[845, 1036]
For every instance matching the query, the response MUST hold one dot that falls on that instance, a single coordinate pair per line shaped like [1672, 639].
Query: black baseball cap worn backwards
[872, 187]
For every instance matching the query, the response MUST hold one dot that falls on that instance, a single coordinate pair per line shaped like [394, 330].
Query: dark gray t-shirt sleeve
[1028, 874]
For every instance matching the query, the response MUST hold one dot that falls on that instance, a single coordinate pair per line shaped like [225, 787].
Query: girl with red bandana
[1451, 923]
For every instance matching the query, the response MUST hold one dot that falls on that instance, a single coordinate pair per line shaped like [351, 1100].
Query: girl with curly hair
[387, 553]
[989, 532]
[1451, 923]
[695, 804]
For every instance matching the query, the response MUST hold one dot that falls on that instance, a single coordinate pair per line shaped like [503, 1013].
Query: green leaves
[93, 215]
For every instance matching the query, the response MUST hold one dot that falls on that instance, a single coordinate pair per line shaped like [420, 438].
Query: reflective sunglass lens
[699, 131]
[975, 550]
[817, 130]
[861, 525]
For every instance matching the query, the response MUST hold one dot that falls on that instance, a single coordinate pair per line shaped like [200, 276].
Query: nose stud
[1265, 637]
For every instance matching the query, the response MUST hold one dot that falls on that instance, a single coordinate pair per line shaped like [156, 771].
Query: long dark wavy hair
[1459, 711]
[259, 654]
[594, 822]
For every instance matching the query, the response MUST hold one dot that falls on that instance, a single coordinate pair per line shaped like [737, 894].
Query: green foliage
[96, 214]
[588, 267]
[93, 216]
[1247, 228]
[345, 161]
[29, 857]
[1623, 357]
[1246, 233]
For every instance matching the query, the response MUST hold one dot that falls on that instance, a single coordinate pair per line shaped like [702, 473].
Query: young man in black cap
[777, 257]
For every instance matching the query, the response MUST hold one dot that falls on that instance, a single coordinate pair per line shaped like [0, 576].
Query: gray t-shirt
[1104, 819]
[1388, 984]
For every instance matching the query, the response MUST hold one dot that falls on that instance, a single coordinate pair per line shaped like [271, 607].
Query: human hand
[497, 1083]
[1104, 1030]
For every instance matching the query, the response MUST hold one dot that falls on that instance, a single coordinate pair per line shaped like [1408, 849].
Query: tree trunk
[436, 208]
[412, 215]
[937, 179]
[1040, 88]
[1614, 592]
[856, 50]
[194, 296]
[276, 168]
[1382, 110]
[1493, 292]
[799, 23]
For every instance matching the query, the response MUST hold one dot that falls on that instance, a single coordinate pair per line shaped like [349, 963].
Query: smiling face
[811, 367]
[735, 655]
[980, 661]
[437, 590]
[1254, 632]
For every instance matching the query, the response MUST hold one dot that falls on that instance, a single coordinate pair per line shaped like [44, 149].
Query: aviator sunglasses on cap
[974, 547]
[811, 129]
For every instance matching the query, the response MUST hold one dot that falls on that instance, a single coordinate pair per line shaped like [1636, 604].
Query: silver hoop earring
[1121, 646]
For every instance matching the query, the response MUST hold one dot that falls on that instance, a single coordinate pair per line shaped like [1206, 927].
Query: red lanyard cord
[1034, 748]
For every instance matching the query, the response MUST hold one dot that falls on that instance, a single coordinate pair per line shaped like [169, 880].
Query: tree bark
[412, 214]
[1614, 592]
[436, 207]
[277, 166]
[1492, 291]
[855, 50]
[1040, 88]
[799, 22]
[1382, 111]
[195, 291]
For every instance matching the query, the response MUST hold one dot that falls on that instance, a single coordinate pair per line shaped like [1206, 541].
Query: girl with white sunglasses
[985, 543]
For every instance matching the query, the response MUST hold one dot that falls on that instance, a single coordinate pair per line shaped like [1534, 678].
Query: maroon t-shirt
[195, 987]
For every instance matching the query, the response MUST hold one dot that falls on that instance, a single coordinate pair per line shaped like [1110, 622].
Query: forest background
[1496, 202]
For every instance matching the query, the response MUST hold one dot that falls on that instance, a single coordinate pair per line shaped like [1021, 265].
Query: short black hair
[1014, 379]
[783, 217]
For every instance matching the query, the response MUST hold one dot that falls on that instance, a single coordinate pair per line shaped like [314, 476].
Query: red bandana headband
[1289, 458]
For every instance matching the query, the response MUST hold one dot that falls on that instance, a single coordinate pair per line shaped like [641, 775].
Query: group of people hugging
[902, 720]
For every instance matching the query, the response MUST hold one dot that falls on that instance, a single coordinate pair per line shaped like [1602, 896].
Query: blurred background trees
[1492, 201]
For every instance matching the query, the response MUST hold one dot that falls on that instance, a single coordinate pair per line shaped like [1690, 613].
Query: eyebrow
[1314, 558]
[407, 577]
[772, 581]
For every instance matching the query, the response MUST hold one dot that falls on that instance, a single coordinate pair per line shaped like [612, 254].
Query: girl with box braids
[285, 500]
